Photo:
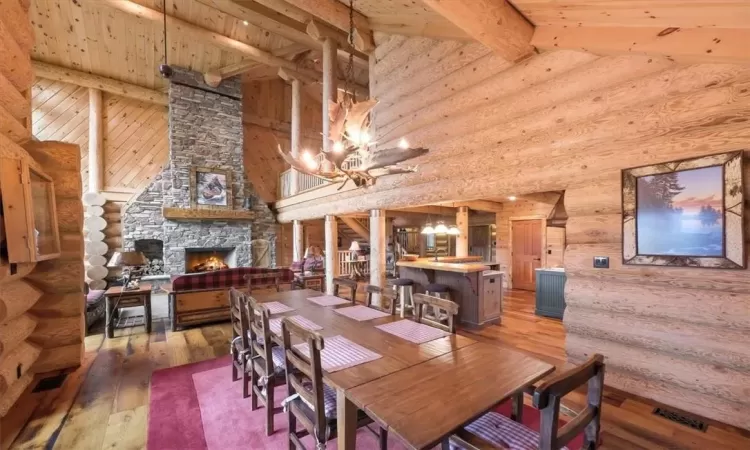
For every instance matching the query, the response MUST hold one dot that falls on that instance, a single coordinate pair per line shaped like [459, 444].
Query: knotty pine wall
[570, 121]
[267, 116]
[41, 305]
[136, 143]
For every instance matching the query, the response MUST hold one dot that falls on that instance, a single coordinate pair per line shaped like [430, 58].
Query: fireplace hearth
[210, 259]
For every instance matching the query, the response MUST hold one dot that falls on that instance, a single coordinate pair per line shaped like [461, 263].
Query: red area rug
[198, 407]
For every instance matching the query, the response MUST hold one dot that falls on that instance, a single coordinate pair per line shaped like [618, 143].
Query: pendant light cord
[348, 81]
[164, 7]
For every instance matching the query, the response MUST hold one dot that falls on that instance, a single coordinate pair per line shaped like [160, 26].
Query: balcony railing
[307, 182]
[347, 264]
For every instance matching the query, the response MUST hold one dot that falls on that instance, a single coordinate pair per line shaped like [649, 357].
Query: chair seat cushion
[503, 431]
[93, 297]
[279, 362]
[403, 282]
[329, 400]
[436, 287]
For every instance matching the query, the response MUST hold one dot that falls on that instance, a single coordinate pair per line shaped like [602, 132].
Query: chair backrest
[258, 317]
[237, 300]
[346, 282]
[547, 398]
[441, 307]
[387, 299]
[304, 376]
[271, 280]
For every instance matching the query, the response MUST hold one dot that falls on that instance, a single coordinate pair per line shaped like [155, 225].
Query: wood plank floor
[104, 403]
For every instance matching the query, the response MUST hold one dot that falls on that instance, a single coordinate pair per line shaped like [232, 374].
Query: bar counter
[477, 290]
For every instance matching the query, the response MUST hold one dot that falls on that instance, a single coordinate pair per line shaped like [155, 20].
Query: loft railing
[308, 182]
[347, 263]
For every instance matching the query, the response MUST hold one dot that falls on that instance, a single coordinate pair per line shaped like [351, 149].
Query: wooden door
[527, 253]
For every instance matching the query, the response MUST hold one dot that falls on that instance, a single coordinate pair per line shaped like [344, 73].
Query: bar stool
[404, 291]
[436, 290]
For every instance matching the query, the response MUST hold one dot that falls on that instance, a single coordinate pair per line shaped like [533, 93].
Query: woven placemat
[275, 324]
[340, 353]
[361, 313]
[328, 300]
[412, 331]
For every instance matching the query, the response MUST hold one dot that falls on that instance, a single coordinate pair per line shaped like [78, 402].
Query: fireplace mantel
[207, 214]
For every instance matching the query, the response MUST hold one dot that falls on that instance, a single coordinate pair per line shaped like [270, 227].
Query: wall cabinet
[28, 212]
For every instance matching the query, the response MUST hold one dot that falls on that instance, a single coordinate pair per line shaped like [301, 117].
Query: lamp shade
[354, 247]
[454, 231]
[428, 229]
[122, 259]
[440, 228]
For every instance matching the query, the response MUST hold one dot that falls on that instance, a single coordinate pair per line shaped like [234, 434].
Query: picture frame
[210, 188]
[686, 213]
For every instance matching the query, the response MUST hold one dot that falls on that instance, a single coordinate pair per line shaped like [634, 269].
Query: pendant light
[164, 69]
[454, 231]
[427, 229]
[440, 228]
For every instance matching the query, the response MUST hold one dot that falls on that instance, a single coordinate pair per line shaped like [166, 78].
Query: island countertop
[442, 266]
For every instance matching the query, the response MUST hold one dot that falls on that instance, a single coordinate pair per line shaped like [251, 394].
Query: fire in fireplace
[209, 259]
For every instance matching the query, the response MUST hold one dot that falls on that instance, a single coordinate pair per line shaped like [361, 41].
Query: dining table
[418, 392]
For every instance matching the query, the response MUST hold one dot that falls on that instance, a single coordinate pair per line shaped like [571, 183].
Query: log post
[298, 241]
[462, 240]
[329, 88]
[332, 251]
[96, 140]
[295, 134]
[377, 250]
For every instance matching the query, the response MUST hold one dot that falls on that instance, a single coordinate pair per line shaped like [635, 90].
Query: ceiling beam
[434, 211]
[336, 14]
[477, 205]
[87, 80]
[214, 76]
[288, 75]
[690, 45]
[207, 36]
[283, 128]
[494, 23]
[278, 23]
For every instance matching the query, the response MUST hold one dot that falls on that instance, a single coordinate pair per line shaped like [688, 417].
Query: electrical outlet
[601, 262]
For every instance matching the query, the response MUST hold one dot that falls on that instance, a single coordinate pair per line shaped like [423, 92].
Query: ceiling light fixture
[512, 198]
[244, 22]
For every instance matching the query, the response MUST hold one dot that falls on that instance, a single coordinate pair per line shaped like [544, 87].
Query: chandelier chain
[349, 77]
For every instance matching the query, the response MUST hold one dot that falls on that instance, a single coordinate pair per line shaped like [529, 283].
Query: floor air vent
[681, 419]
[50, 383]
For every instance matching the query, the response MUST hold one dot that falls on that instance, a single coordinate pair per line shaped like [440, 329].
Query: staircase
[353, 229]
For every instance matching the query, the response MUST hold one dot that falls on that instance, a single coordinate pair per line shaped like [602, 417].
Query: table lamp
[131, 263]
[354, 250]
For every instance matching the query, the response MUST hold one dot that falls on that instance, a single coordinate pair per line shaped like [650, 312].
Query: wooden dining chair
[351, 284]
[493, 430]
[257, 281]
[311, 402]
[441, 307]
[240, 344]
[267, 360]
[387, 297]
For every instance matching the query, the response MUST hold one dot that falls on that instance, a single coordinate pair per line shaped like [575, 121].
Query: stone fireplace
[205, 130]
[153, 250]
[209, 259]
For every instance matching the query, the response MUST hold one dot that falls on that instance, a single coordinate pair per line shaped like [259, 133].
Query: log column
[462, 240]
[298, 240]
[377, 250]
[332, 251]
[295, 135]
[96, 140]
[329, 88]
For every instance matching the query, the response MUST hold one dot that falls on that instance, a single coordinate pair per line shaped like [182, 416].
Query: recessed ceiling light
[244, 22]
[512, 198]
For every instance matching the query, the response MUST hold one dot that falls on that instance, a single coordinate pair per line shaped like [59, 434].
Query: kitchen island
[477, 290]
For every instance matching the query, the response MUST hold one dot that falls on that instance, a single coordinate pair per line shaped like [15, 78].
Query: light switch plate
[601, 262]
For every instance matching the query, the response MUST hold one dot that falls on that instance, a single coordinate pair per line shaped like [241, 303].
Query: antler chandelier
[350, 134]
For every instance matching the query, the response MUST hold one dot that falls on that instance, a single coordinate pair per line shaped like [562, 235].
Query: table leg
[109, 326]
[147, 312]
[346, 415]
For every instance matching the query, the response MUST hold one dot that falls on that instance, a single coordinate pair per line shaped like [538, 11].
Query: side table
[314, 281]
[117, 297]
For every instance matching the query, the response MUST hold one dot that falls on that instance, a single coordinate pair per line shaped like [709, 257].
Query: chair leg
[246, 383]
[235, 372]
[383, 438]
[445, 444]
[292, 421]
[269, 407]
[253, 382]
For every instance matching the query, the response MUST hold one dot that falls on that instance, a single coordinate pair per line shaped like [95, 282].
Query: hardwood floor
[104, 403]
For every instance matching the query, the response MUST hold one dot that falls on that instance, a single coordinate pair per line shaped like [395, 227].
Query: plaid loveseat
[200, 298]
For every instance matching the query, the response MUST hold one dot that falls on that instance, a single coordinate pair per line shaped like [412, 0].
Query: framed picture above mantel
[210, 188]
[686, 213]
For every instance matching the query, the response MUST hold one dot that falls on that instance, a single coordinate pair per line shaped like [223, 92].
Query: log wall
[35, 315]
[570, 121]
[135, 132]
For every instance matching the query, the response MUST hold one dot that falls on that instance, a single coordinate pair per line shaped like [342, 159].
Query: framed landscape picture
[685, 213]
[210, 188]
